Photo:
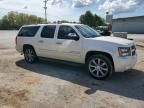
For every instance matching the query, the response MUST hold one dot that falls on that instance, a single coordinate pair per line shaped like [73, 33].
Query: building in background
[109, 18]
[129, 25]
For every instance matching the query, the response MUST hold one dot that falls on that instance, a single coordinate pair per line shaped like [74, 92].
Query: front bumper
[125, 63]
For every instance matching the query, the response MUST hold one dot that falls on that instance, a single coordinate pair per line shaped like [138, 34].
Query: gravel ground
[55, 85]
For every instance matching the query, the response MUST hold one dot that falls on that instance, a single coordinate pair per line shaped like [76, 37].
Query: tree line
[14, 20]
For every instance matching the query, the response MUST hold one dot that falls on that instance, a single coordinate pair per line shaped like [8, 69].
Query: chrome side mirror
[73, 36]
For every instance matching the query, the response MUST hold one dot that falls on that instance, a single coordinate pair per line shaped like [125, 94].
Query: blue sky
[72, 9]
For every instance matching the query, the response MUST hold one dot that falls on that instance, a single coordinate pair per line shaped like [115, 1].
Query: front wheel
[100, 66]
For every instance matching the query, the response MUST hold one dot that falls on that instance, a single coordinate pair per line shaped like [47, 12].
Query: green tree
[87, 19]
[4, 23]
[92, 20]
[98, 21]
[14, 20]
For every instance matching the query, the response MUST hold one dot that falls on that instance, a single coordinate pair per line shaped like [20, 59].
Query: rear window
[28, 31]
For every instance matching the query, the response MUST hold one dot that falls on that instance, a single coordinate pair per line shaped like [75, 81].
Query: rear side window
[48, 31]
[28, 31]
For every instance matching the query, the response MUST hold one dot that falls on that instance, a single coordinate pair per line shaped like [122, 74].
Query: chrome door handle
[41, 41]
[58, 43]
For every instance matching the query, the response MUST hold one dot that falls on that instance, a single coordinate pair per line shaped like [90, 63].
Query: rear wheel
[100, 66]
[30, 55]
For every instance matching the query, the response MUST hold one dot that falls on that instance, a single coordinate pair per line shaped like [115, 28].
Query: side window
[28, 31]
[48, 31]
[64, 31]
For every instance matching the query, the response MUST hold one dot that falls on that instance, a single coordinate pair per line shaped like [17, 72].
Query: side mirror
[105, 33]
[73, 36]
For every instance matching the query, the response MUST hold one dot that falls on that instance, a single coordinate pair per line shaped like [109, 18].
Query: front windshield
[87, 31]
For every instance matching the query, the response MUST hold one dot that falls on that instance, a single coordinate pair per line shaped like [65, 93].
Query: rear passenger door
[46, 41]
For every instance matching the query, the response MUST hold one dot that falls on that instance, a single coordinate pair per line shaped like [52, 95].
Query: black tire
[30, 55]
[101, 68]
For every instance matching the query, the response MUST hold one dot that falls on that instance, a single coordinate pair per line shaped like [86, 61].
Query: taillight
[16, 40]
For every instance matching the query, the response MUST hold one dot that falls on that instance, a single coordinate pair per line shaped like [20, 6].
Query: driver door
[68, 48]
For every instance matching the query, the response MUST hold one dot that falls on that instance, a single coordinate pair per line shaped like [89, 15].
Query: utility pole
[45, 8]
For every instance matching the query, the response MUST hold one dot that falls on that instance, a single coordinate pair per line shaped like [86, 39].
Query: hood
[114, 40]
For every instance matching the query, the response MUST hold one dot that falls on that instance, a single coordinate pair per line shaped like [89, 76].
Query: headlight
[124, 51]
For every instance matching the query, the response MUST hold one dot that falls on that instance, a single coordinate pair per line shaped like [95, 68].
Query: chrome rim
[29, 55]
[98, 67]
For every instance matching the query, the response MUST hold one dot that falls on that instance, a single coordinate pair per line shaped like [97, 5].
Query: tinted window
[48, 31]
[64, 31]
[87, 31]
[28, 31]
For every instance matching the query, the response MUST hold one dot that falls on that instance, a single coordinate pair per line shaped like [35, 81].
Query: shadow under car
[129, 84]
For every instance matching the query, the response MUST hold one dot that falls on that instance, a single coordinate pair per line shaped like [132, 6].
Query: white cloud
[59, 3]
[121, 6]
[73, 3]
[55, 2]
[82, 3]
[1, 1]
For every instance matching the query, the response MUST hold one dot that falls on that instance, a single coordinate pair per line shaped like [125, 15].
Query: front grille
[133, 47]
[133, 53]
[133, 50]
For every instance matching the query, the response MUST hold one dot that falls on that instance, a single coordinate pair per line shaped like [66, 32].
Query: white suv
[77, 43]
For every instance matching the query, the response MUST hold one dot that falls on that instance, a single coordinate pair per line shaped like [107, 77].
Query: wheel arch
[27, 45]
[91, 53]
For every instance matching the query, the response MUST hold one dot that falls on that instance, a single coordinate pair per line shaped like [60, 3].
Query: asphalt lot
[55, 85]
